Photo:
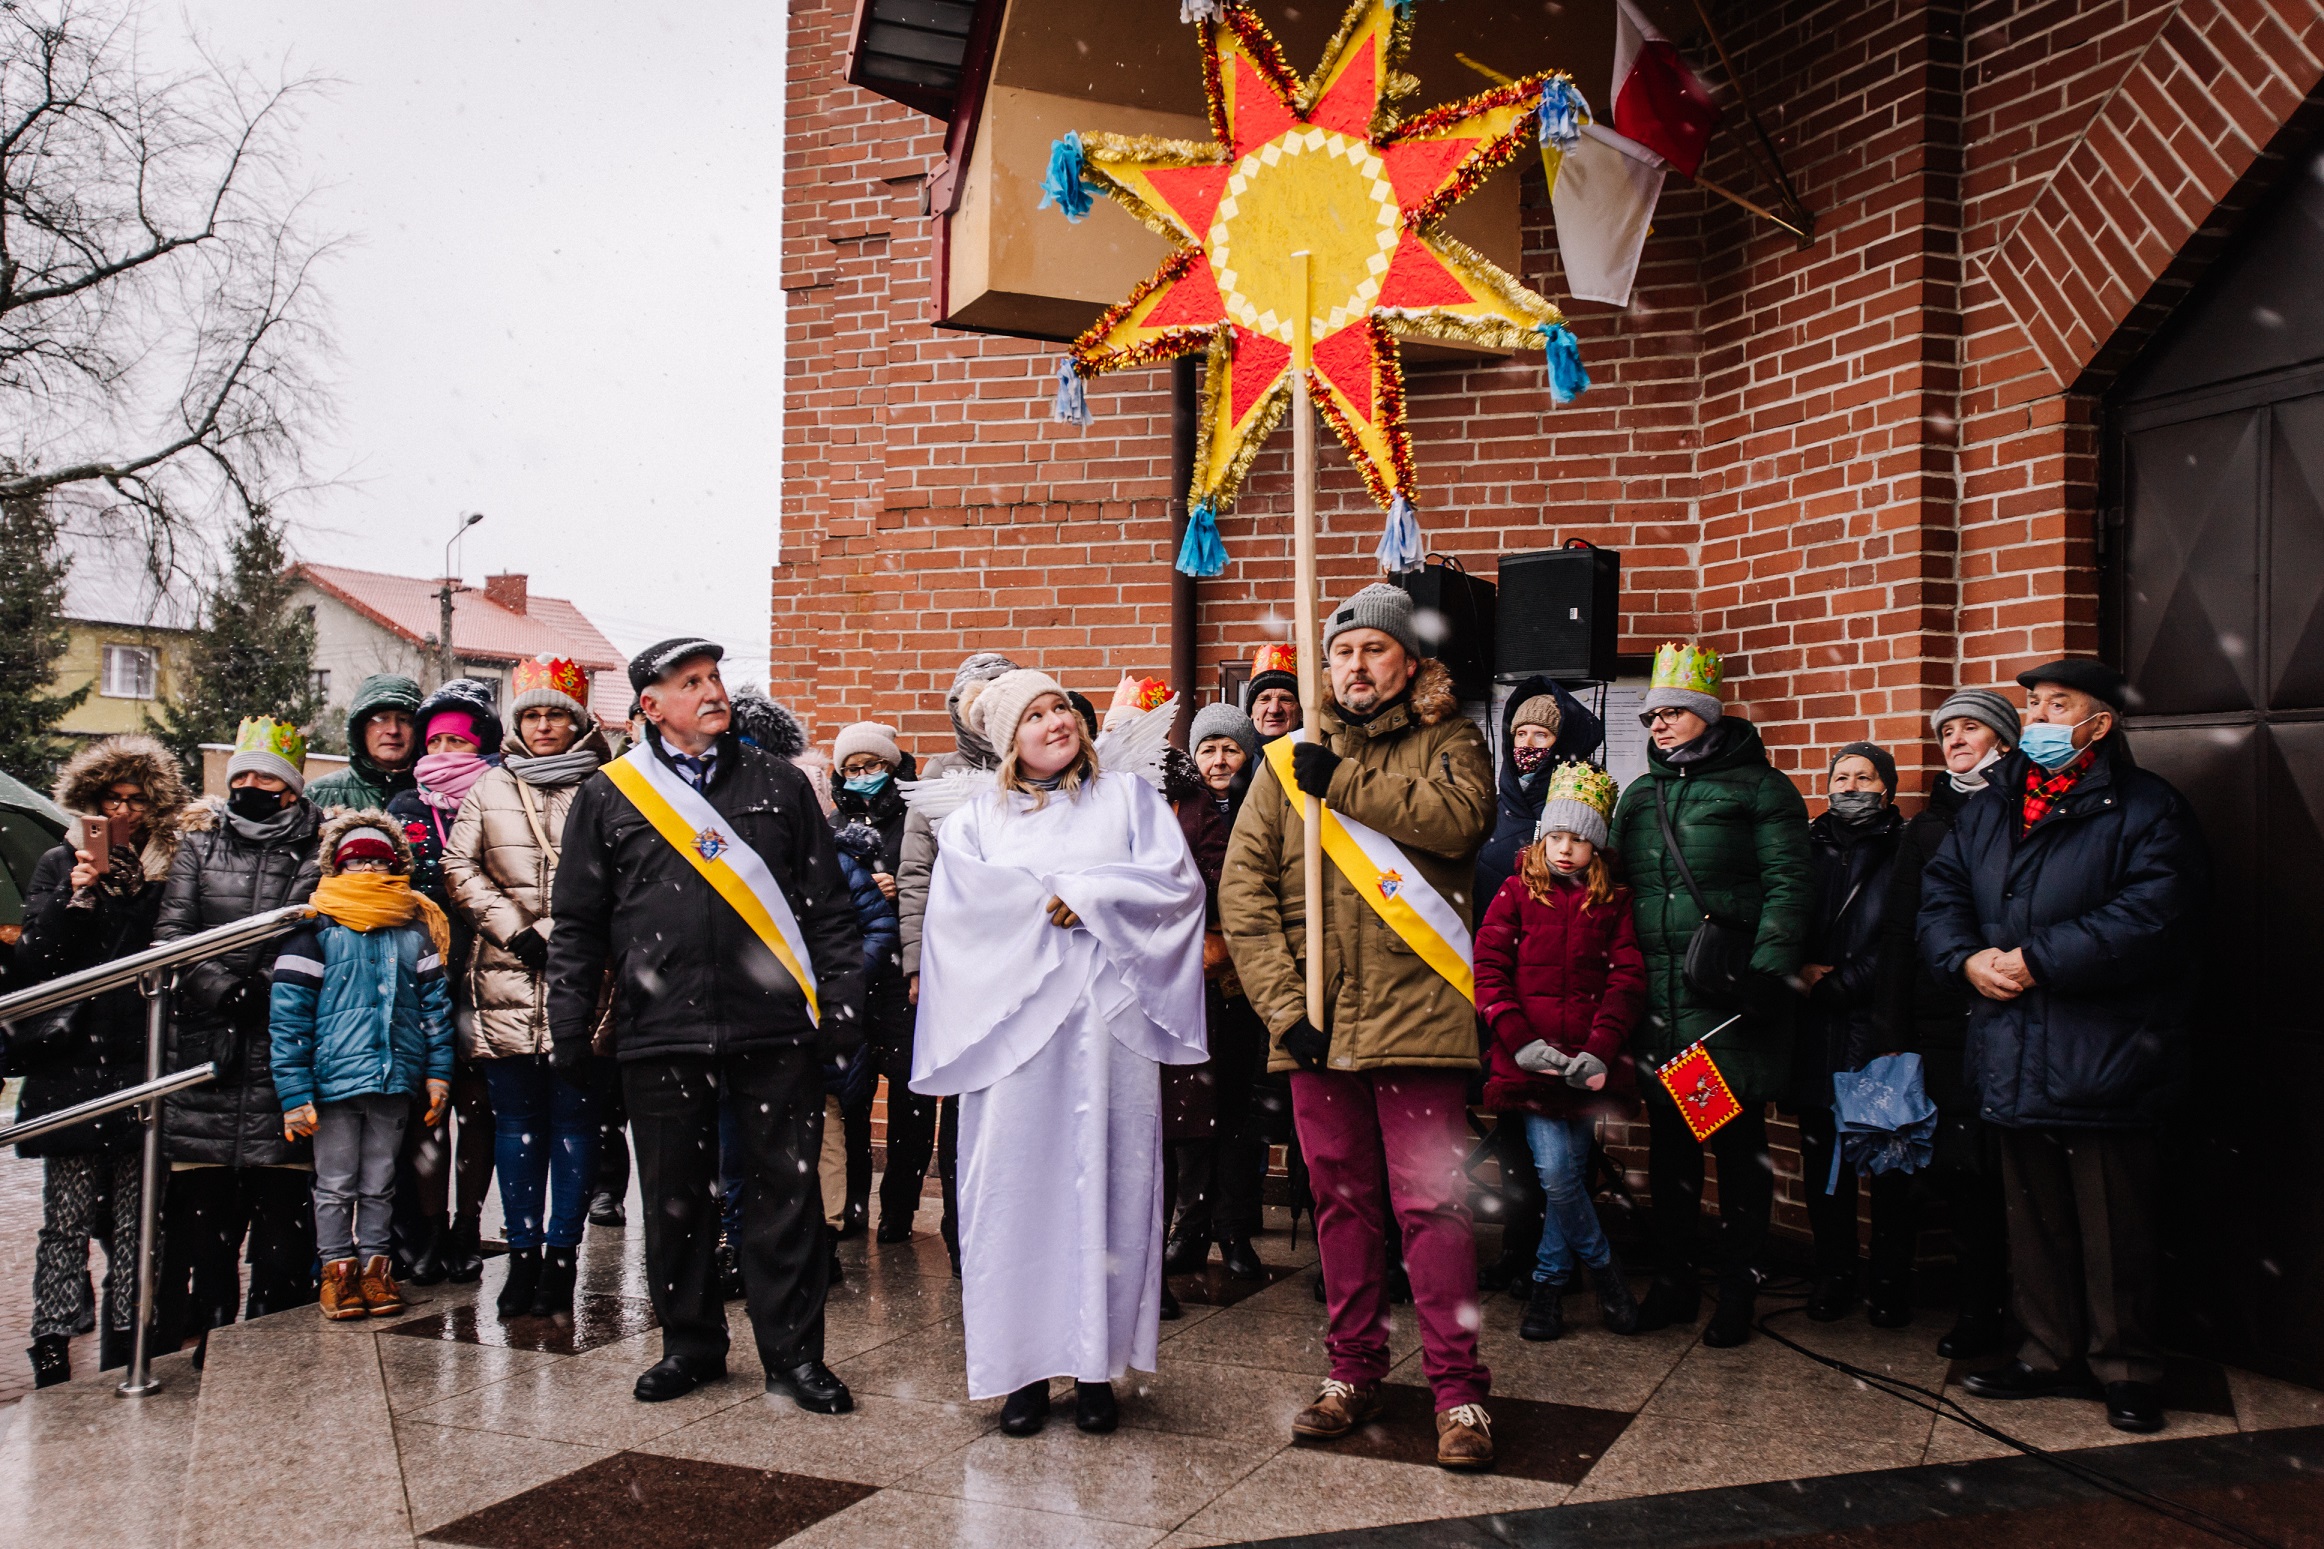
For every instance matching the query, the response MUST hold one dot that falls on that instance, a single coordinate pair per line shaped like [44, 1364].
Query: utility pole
[444, 668]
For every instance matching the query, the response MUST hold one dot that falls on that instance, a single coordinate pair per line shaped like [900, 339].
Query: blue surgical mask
[2049, 744]
[867, 785]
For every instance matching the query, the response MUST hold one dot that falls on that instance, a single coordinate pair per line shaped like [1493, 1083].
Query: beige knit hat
[874, 737]
[995, 711]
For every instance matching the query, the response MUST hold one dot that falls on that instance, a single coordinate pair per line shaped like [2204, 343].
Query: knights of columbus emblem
[711, 843]
[1391, 882]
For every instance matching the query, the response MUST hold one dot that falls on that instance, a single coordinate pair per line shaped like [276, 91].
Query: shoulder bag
[1718, 954]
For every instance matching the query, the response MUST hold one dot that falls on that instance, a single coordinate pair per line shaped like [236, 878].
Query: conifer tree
[33, 636]
[255, 651]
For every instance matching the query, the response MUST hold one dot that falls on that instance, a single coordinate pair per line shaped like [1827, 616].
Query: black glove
[528, 948]
[1307, 1044]
[1311, 767]
[1765, 998]
[569, 1058]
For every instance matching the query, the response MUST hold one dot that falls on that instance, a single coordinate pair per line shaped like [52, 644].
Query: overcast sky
[560, 304]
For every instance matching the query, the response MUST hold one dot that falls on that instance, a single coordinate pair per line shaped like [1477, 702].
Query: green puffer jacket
[1744, 831]
[363, 785]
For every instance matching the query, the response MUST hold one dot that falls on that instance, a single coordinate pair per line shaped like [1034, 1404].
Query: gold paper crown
[1696, 668]
[265, 734]
[1585, 783]
[1275, 656]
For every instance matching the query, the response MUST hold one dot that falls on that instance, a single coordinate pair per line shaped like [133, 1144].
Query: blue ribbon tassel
[1072, 405]
[1563, 112]
[1062, 185]
[1399, 548]
[1567, 379]
[1202, 554]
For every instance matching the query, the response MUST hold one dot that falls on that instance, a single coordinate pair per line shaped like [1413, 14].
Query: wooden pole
[1311, 678]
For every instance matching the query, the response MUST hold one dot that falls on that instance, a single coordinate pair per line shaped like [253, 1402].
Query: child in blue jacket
[361, 1019]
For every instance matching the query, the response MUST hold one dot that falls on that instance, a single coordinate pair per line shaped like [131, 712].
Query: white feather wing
[939, 798]
[1135, 743]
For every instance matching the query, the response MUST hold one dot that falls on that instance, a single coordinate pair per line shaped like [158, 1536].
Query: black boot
[524, 1280]
[1616, 1309]
[1026, 1410]
[1093, 1408]
[427, 1253]
[1973, 1334]
[52, 1360]
[114, 1346]
[554, 1297]
[1240, 1258]
[1544, 1312]
[1186, 1255]
[836, 1270]
[1835, 1293]
[1671, 1302]
[463, 1258]
[1889, 1303]
[1171, 1311]
[1730, 1323]
[894, 1228]
[606, 1209]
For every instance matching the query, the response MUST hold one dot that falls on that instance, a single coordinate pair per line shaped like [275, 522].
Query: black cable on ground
[1947, 1408]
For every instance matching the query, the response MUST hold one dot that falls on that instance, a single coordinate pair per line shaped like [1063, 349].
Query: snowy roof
[481, 628]
[111, 582]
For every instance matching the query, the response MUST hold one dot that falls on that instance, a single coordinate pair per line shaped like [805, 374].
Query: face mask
[2049, 744]
[1529, 760]
[1858, 806]
[867, 785]
[253, 805]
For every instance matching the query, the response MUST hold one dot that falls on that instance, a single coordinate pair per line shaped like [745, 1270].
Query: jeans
[545, 1139]
[1569, 1224]
[356, 1143]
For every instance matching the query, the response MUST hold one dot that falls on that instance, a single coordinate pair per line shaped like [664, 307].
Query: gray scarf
[274, 829]
[575, 764]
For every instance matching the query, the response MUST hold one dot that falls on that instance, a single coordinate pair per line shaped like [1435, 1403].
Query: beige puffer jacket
[1419, 773]
[498, 874]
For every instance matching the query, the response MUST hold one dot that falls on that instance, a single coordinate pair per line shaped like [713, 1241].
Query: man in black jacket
[2068, 896]
[705, 1011]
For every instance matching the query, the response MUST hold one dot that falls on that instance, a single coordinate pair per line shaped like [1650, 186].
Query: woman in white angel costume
[1061, 967]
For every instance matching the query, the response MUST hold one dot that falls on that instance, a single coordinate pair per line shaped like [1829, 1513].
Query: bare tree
[161, 334]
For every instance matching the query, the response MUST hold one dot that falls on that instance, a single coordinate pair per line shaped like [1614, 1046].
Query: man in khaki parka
[1381, 1090]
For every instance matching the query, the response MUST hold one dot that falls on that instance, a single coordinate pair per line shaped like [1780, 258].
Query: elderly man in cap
[699, 870]
[2069, 897]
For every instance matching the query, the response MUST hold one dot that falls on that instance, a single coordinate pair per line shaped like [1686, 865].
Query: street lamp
[444, 635]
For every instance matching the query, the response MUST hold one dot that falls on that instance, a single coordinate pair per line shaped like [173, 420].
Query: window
[129, 672]
[320, 681]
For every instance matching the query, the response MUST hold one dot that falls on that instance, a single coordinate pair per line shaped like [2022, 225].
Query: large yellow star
[1325, 167]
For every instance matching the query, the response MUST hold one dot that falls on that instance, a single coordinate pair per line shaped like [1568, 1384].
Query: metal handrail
[111, 1102]
[64, 990]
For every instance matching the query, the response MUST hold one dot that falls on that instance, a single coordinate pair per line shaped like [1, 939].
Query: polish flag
[1658, 102]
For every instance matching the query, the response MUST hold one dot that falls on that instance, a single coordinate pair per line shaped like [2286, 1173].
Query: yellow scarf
[366, 900]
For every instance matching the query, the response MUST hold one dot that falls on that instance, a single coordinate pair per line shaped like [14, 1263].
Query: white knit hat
[995, 712]
[873, 737]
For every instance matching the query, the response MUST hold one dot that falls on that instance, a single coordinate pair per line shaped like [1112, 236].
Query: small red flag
[1704, 1099]
[1658, 101]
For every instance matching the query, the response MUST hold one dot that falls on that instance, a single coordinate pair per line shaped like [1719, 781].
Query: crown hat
[264, 745]
[552, 682]
[1274, 665]
[1579, 800]
[1686, 677]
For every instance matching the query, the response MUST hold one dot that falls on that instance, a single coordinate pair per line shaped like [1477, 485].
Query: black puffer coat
[690, 977]
[1922, 1012]
[220, 1009]
[1841, 1025]
[71, 1058]
[2106, 896]
[1520, 799]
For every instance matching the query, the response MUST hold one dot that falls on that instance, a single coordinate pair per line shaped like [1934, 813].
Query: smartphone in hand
[97, 840]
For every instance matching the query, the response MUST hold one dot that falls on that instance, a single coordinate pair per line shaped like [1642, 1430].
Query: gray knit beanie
[1984, 706]
[1379, 606]
[1224, 720]
[1705, 705]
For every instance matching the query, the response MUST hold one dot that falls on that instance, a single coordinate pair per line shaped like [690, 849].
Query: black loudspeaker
[1455, 622]
[1560, 614]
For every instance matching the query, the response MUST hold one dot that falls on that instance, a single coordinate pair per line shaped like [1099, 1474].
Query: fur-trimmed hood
[1433, 697]
[86, 777]
[768, 723]
[340, 824]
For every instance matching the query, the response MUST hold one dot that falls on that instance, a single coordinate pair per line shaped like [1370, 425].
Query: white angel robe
[1054, 1038]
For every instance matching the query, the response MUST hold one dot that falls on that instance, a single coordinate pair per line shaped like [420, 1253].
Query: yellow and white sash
[1385, 878]
[700, 833]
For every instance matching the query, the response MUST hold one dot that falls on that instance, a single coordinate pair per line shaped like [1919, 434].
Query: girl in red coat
[1561, 983]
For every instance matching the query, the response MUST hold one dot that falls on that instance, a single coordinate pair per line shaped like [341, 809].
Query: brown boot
[1464, 1438]
[342, 1291]
[1337, 1410]
[380, 1295]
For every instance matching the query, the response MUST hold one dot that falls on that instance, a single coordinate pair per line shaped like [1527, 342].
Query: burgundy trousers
[1407, 1127]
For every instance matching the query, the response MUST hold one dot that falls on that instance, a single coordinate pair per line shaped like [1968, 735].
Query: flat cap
[2085, 674]
[650, 665]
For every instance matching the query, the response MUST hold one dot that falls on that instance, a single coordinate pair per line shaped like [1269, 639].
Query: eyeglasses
[863, 765]
[128, 803]
[1666, 713]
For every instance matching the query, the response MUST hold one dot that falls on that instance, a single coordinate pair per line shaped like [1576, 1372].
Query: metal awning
[911, 51]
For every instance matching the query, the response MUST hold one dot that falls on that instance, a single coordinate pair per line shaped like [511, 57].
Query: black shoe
[463, 1256]
[424, 1260]
[1240, 1258]
[1319, 1285]
[1833, 1296]
[853, 1221]
[1670, 1304]
[606, 1209]
[811, 1386]
[522, 1284]
[894, 1229]
[1889, 1304]
[833, 1269]
[1026, 1410]
[2130, 1406]
[1617, 1309]
[1730, 1323]
[1171, 1311]
[2018, 1380]
[554, 1298]
[729, 1266]
[674, 1376]
[1973, 1334]
[954, 1250]
[1544, 1312]
[1186, 1256]
[1094, 1410]
[52, 1360]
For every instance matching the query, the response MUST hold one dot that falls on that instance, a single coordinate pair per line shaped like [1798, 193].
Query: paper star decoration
[1326, 166]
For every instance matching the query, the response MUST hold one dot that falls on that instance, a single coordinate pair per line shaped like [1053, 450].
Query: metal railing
[154, 972]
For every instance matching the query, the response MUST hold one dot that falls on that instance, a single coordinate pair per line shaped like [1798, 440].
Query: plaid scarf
[2043, 788]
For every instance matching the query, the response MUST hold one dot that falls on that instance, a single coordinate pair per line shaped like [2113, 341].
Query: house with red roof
[367, 622]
